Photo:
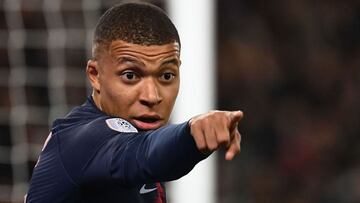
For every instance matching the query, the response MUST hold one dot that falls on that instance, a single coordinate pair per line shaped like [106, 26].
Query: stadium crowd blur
[293, 67]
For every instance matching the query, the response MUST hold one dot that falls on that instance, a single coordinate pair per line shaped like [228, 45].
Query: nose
[150, 94]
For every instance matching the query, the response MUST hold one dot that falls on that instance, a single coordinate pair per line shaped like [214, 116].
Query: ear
[92, 71]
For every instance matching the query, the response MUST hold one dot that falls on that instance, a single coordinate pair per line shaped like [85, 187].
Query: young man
[117, 147]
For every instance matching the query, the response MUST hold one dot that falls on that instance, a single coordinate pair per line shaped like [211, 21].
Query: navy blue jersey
[92, 157]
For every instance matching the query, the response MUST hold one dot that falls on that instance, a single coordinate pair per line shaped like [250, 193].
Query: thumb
[234, 147]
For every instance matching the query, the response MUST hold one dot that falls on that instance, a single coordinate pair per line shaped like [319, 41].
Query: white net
[43, 51]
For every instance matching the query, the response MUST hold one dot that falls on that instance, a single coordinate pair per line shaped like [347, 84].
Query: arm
[164, 154]
[171, 152]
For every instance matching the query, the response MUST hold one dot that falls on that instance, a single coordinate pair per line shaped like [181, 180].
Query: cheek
[117, 97]
[170, 93]
[121, 97]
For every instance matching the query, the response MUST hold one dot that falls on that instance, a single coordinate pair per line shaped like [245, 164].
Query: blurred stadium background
[293, 67]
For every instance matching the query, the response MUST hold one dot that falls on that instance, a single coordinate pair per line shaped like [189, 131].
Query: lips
[147, 122]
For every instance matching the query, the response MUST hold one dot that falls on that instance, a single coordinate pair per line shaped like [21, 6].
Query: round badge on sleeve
[120, 125]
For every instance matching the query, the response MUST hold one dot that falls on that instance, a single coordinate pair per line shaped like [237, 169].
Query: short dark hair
[137, 23]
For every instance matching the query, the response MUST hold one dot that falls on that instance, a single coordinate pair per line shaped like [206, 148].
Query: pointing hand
[217, 129]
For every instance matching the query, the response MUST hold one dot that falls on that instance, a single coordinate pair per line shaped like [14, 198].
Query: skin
[140, 84]
[135, 82]
[217, 129]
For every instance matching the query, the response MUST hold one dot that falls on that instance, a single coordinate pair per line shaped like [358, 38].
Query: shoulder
[80, 141]
[88, 134]
[120, 125]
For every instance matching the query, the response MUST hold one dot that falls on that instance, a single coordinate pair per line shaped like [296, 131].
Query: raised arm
[172, 151]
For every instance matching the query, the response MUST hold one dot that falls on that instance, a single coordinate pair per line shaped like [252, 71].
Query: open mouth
[148, 119]
[147, 122]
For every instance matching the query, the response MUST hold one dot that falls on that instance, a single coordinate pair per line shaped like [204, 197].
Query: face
[137, 83]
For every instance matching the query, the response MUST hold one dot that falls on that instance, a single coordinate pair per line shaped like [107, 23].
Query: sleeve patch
[120, 125]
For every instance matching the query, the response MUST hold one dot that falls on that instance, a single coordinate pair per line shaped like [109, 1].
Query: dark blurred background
[293, 67]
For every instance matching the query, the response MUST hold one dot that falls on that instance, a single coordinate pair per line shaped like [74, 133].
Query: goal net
[44, 47]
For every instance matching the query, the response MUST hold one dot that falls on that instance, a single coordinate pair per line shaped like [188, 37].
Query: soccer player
[117, 146]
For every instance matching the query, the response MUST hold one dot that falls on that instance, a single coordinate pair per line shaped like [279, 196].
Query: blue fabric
[86, 161]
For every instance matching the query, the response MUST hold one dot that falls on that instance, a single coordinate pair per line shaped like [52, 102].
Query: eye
[167, 76]
[130, 76]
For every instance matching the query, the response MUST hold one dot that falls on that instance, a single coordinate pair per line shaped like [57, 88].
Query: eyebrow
[170, 61]
[174, 61]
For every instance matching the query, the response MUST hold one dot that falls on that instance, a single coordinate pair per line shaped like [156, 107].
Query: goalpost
[195, 21]
[42, 78]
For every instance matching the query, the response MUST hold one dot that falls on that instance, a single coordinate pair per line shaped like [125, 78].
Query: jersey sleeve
[165, 154]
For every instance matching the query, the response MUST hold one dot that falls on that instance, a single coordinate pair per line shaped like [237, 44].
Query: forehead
[119, 47]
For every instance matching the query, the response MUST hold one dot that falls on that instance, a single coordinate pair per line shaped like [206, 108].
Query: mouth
[147, 122]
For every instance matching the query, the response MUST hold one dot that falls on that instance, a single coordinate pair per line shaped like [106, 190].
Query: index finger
[235, 117]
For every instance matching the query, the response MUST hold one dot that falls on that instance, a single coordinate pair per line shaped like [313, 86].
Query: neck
[96, 98]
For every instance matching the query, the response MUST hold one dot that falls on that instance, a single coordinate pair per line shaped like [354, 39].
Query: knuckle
[214, 111]
[223, 139]
[213, 146]
[215, 114]
[201, 146]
